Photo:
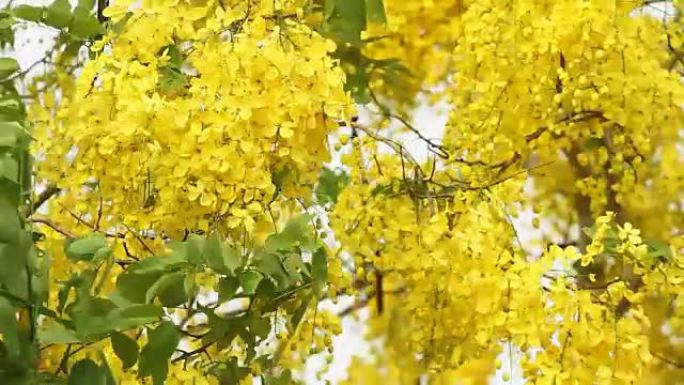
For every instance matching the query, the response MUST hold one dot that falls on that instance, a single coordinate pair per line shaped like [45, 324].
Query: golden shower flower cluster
[214, 111]
[213, 117]
[458, 289]
[589, 80]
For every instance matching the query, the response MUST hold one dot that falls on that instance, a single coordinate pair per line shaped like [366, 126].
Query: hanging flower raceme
[588, 80]
[201, 109]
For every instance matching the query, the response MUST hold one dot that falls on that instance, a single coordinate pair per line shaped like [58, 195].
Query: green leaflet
[154, 357]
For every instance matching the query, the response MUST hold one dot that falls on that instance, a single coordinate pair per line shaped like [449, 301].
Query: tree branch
[43, 197]
[668, 361]
[185, 355]
[52, 225]
[101, 5]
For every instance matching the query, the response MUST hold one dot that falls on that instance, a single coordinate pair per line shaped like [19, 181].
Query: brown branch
[436, 148]
[361, 303]
[668, 361]
[572, 118]
[185, 355]
[101, 5]
[43, 197]
[495, 182]
[393, 144]
[52, 225]
[99, 207]
[139, 238]
[677, 56]
[357, 305]
[77, 218]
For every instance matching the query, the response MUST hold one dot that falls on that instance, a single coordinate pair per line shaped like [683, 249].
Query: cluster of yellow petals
[589, 80]
[256, 95]
[583, 90]
[192, 116]
[458, 290]
[569, 108]
[420, 35]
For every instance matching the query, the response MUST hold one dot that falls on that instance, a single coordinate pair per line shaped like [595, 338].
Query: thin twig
[43, 197]
[668, 361]
[185, 355]
[52, 225]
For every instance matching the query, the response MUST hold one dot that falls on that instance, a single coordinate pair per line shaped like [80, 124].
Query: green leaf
[357, 84]
[266, 290]
[232, 259]
[375, 11]
[295, 266]
[9, 329]
[132, 288]
[227, 287]
[14, 258]
[329, 8]
[293, 233]
[175, 55]
[102, 254]
[108, 371]
[172, 79]
[58, 14]
[592, 143]
[45, 378]
[279, 175]
[659, 250]
[319, 267]
[56, 333]
[249, 280]
[270, 265]
[6, 20]
[213, 254]
[285, 378]
[189, 285]
[125, 348]
[65, 289]
[301, 310]
[6, 38]
[10, 134]
[259, 326]
[96, 317]
[134, 316]
[230, 373]
[84, 249]
[6, 31]
[41, 279]
[169, 288]
[89, 314]
[352, 11]
[330, 184]
[9, 169]
[87, 372]
[221, 258]
[10, 109]
[86, 4]
[195, 248]
[8, 66]
[347, 20]
[84, 25]
[158, 264]
[28, 13]
[10, 226]
[154, 357]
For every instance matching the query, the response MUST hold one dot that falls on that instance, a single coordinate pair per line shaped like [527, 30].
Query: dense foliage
[187, 185]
